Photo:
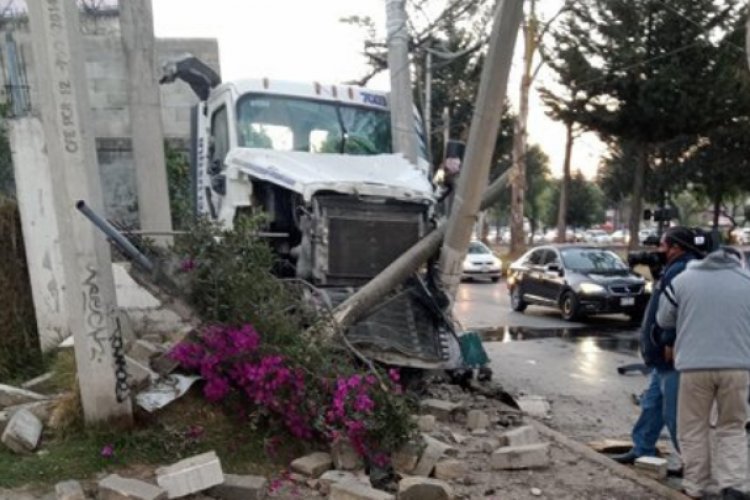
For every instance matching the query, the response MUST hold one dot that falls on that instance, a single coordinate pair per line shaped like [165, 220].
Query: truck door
[220, 140]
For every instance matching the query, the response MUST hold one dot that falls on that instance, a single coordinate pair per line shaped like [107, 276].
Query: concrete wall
[108, 95]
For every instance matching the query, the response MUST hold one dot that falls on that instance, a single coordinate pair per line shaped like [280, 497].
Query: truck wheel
[516, 299]
[569, 306]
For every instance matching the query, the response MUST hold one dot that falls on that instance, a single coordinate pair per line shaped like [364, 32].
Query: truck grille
[364, 237]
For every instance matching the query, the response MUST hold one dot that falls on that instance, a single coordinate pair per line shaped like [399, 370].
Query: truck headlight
[591, 288]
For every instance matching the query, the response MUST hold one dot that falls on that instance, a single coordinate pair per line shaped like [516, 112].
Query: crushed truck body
[317, 161]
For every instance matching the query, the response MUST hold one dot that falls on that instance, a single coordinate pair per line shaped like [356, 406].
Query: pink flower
[108, 451]
[394, 375]
[188, 265]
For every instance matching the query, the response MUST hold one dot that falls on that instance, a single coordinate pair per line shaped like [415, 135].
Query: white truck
[317, 160]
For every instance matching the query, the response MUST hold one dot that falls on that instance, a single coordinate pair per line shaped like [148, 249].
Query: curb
[658, 488]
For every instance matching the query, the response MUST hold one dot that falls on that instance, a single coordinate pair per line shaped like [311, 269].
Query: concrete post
[40, 230]
[482, 137]
[89, 289]
[401, 102]
[137, 31]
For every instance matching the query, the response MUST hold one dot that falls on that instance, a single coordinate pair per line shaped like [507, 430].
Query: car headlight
[591, 288]
[498, 262]
[649, 287]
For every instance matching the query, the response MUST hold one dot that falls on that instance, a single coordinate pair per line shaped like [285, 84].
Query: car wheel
[516, 299]
[569, 306]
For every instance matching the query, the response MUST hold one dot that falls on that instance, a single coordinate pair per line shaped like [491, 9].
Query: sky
[304, 40]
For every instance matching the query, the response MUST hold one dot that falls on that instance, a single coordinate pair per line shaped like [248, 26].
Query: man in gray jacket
[709, 303]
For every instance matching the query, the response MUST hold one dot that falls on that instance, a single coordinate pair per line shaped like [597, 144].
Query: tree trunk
[717, 211]
[518, 190]
[636, 204]
[562, 212]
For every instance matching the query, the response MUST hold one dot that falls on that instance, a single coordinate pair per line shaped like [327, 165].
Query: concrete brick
[69, 490]
[521, 436]
[350, 490]
[432, 453]
[652, 466]
[191, 475]
[114, 487]
[142, 350]
[521, 457]
[405, 459]
[420, 488]
[12, 396]
[313, 465]
[426, 423]
[334, 476]
[237, 487]
[344, 456]
[477, 419]
[442, 410]
[450, 469]
[22, 433]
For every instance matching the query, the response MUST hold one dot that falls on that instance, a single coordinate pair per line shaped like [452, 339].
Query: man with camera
[658, 402]
[710, 307]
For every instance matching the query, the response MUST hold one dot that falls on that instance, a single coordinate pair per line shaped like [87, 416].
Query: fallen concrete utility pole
[355, 307]
[481, 144]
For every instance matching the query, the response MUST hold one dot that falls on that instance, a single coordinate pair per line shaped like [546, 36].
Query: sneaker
[625, 458]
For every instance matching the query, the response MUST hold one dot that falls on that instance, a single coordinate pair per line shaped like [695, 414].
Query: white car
[597, 236]
[480, 262]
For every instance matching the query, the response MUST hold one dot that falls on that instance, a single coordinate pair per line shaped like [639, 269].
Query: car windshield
[293, 124]
[591, 259]
[478, 248]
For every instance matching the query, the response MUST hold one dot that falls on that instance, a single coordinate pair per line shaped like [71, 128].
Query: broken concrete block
[352, 490]
[426, 423]
[450, 469]
[420, 488]
[405, 459]
[654, 467]
[114, 487]
[41, 410]
[434, 451]
[489, 445]
[534, 406]
[237, 487]
[344, 456]
[313, 465]
[190, 475]
[22, 432]
[12, 396]
[521, 457]
[143, 350]
[334, 476]
[521, 436]
[139, 374]
[477, 419]
[69, 490]
[442, 410]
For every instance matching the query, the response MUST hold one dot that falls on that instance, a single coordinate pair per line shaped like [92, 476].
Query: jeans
[658, 408]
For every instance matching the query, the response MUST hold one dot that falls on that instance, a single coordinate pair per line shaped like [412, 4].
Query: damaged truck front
[317, 161]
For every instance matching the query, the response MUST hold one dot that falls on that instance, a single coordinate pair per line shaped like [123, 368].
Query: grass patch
[186, 427]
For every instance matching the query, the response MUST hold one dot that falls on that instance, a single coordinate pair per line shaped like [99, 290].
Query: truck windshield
[293, 124]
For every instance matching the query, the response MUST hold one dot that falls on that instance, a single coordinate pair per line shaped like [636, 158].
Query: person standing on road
[710, 306]
[659, 401]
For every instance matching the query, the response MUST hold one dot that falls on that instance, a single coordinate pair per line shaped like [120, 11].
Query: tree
[630, 57]
[585, 206]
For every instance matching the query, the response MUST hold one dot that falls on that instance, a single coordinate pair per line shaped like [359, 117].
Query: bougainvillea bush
[261, 349]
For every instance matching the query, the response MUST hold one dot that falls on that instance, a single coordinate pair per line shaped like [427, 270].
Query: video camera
[697, 240]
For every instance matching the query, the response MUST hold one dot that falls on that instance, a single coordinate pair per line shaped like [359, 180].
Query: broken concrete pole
[654, 467]
[442, 410]
[191, 475]
[521, 436]
[237, 487]
[22, 433]
[477, 419]
[334, 476]
[37, 382]
[69, 490]
[433, 452]
[313, 465]
[114, 487]
[139, 374]
[450, 469]
[521, 457]
[352, 490]
[12, 396]
[143, 350]
[420, 488]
